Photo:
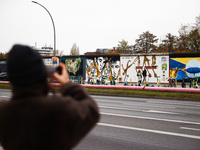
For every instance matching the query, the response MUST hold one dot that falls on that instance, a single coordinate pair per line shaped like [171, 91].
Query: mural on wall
[48, 61]
[185, 68]
[99, 68]
[156, 67]
[3, 71]
[73, 65]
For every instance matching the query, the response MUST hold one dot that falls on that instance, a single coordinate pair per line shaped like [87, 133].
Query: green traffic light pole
[53, 26]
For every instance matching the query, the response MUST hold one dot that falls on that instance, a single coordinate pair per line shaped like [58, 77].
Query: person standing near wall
[139, 74]
[144, 73]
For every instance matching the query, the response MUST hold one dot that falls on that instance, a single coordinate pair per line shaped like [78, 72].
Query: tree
[189, 38]
[169, 44]
[183, 37]
[194, 40]
[197, 24]
[3, 55]
[145, 43]
[74, 50]
[123, 47]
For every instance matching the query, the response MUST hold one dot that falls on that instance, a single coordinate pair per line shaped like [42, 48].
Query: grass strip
[5, 85]
[136, 93]
[173, 95]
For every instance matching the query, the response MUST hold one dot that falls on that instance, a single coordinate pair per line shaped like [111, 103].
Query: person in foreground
[33, 120]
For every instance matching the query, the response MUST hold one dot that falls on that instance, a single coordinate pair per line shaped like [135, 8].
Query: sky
[91, 24]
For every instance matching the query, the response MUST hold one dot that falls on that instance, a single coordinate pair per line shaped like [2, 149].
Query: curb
[161, 89]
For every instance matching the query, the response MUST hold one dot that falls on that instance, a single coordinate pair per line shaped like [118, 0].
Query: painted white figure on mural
[115, 69]
[90, 68]
[100, 63]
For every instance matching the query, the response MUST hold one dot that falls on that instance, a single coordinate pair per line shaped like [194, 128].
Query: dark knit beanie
[25, 66]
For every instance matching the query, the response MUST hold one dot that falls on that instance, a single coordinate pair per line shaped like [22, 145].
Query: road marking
[162, 112]
[151, 111]
[111, 97]
[149, 130]
[148, 105]
[150, 118]
[114, 102]
[173, 103]
[5, 96]
[120, 108]
[194, 129]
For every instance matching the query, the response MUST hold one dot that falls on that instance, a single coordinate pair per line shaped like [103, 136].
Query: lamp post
[53, 26]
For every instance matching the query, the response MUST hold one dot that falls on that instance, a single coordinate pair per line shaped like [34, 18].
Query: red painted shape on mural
[147, 67]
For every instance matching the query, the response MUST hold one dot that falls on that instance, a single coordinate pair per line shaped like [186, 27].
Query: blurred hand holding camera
[62, 78]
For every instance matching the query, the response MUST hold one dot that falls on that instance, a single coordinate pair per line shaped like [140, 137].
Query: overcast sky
[91, 24]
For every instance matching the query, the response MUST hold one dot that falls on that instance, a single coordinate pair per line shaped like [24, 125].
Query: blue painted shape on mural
[193, 70]
[181, 75]
[175, 64]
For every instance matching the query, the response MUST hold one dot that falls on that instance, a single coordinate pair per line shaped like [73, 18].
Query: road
[129, 123]
[144, 124]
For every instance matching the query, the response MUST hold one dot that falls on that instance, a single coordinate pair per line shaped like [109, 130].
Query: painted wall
[2, 67]
[107, 67]
[75, 66]
[125, 67]
[185, 67]
[115, 67]
[156, 66]
[48, 61]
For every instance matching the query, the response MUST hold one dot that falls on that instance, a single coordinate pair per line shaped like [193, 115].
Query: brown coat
[33, 121]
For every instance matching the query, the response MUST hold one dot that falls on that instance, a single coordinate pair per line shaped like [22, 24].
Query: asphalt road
[142, 124]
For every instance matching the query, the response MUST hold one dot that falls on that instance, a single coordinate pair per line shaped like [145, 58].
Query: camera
[51, 69]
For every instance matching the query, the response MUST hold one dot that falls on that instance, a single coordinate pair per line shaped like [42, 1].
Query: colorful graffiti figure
[192, 68]
[189, 70]
[126, 69]
[115, 69]
[146, 64]
[114, 72]
[90, 70]
[90, 67]
[173, 73]
[73, 65]
[146, 60]
[100, 68]
[105, 68]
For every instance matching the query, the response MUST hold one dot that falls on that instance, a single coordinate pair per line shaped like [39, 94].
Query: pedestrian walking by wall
[34, 120]
[139, 75]
[144, 73]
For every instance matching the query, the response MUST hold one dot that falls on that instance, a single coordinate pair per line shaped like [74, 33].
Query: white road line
[111, 97]
[194, 129]
[162, 112]
[150, 118]
[121, 108]
[173, 103]
[5, 96]
[148, 111]
[152, 131]
[120, 103]
[148, 105]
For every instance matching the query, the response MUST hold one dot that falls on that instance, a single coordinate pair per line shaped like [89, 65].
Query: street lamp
[53, 26]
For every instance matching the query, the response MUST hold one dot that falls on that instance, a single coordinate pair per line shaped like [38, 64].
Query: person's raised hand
[62, 78]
